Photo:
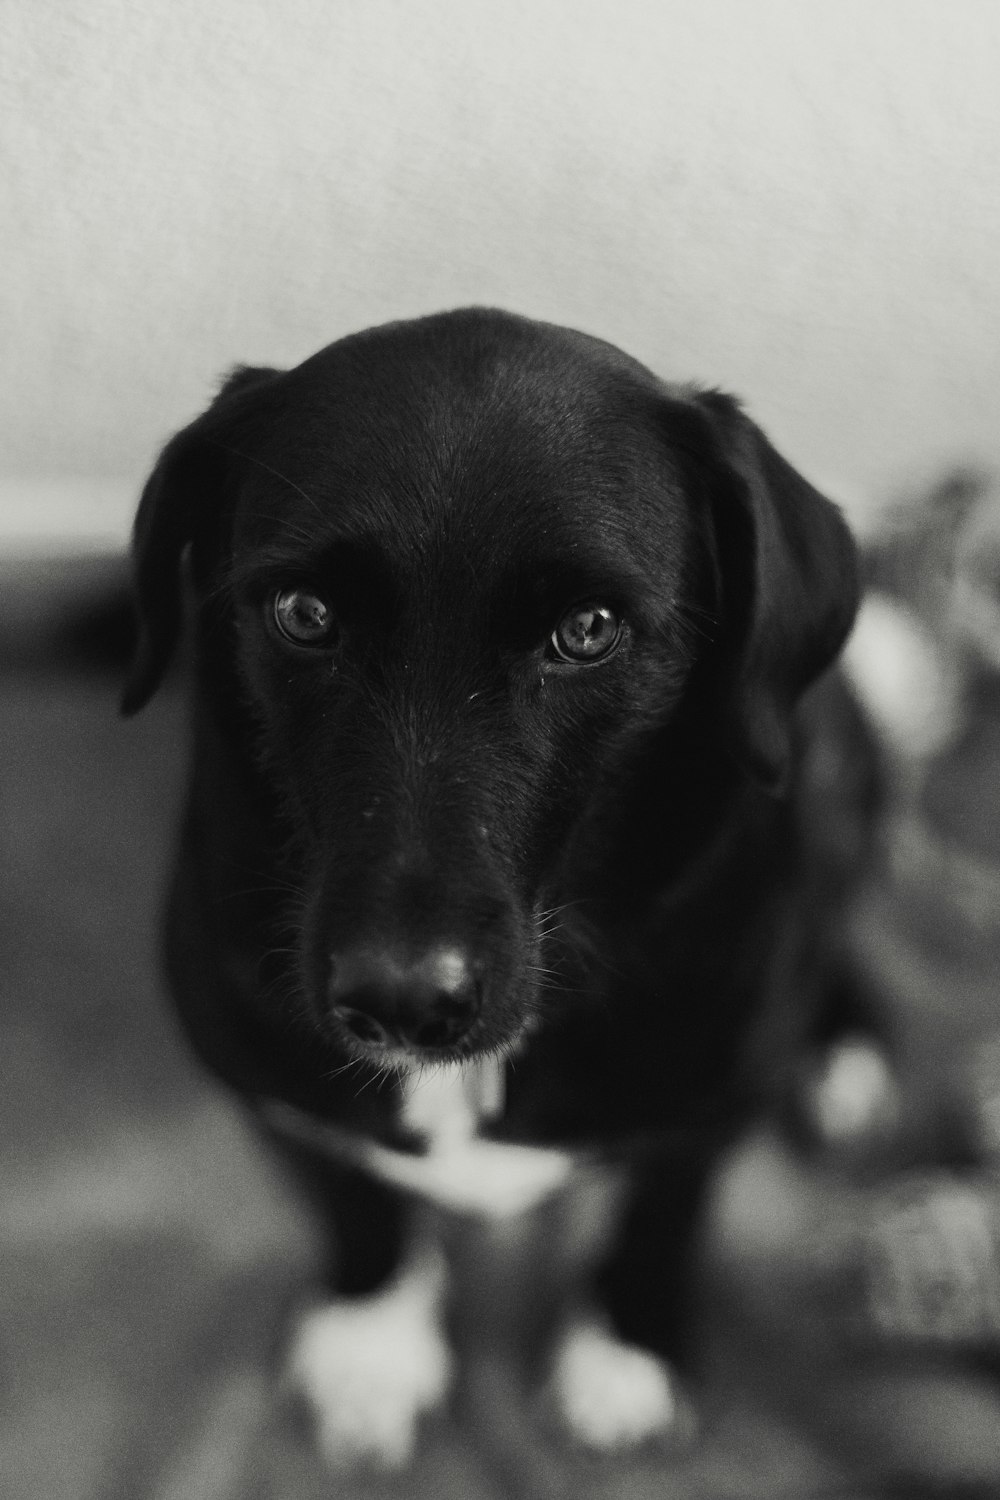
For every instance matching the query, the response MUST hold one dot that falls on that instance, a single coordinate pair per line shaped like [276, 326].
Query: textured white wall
[797, 199]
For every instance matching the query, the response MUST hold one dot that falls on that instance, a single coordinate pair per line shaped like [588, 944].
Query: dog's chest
[446, 1108]
[451, 1164]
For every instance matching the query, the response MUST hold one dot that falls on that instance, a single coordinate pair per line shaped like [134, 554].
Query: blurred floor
[149, 1255]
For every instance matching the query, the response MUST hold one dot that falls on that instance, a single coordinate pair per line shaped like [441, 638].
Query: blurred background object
[794, 199]
[853, 1262]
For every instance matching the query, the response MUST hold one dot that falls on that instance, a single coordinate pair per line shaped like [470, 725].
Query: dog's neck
[457, 1169]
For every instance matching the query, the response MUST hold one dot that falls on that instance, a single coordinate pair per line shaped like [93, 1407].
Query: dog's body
[497, 755]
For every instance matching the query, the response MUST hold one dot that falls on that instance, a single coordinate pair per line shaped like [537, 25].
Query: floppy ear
[789, 585]
[180, 501]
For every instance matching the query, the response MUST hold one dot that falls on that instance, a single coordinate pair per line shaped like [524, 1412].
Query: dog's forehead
[497, 437]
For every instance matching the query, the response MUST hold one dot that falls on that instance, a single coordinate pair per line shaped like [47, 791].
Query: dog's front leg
[523, 1296]
[368, 1362]
[608, 1394]
[369, 1368]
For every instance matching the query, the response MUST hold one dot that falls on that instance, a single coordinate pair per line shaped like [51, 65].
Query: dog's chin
[447, 1097]
[406, 1062]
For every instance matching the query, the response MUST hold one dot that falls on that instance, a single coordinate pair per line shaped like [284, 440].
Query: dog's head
[467, 573]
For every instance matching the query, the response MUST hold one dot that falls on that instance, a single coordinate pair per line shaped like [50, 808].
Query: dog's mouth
[480, 1055]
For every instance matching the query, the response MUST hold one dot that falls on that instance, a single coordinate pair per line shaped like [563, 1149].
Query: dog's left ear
[181, 501]
[788, 579]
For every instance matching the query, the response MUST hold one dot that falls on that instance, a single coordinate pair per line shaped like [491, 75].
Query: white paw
[370, 1368]
[610, 1395]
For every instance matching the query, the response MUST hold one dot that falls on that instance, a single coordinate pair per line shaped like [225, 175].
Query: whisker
[353, 1063]
[251, 458]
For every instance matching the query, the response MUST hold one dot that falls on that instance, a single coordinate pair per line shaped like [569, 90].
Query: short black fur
[616, 850]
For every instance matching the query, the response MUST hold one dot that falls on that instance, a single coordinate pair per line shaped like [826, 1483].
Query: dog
[513, 829]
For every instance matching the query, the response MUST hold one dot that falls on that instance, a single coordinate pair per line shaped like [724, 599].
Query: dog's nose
[427, 1001]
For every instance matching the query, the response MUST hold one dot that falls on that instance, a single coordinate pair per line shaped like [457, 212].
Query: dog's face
[465, 572]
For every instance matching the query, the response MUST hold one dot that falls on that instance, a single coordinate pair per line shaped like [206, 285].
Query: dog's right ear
[180, 501]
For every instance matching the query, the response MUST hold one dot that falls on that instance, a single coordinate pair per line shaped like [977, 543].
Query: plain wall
[798, 200]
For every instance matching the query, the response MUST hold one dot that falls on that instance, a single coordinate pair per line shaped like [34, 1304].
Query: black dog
[500, 643]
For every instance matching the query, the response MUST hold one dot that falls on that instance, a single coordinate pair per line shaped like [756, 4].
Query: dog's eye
[586, 633]
[303, 617]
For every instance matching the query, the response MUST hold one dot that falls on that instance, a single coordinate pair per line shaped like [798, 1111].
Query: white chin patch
[609, 1396]
[370, 1368]
[449, 1102]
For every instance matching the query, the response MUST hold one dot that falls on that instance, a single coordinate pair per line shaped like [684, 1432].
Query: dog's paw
[609, 1395]
[368, 1370]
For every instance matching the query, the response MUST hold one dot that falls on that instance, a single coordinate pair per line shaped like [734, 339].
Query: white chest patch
[460, 1170]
